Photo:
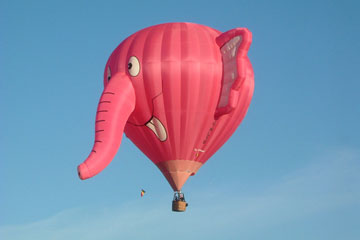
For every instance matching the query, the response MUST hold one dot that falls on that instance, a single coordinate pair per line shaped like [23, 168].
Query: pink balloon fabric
[181, 90]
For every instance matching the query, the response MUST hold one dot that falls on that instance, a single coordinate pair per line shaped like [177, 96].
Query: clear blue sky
[292, 167]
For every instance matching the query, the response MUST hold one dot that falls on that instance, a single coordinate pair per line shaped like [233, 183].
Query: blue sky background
[291, 170]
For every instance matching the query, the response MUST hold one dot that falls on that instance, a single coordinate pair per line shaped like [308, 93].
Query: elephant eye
[108, 73]
[133, 66]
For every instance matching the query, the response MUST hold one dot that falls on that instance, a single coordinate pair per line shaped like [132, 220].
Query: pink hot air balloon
[178, 91]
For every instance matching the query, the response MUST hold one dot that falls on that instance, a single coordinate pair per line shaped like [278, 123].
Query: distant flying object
[178, 91]
[142, 192]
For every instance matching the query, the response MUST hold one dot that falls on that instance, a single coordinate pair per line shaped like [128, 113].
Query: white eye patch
[133, 66]
[108, 74]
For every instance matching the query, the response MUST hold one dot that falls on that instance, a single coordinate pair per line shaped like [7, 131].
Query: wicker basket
[179, 206]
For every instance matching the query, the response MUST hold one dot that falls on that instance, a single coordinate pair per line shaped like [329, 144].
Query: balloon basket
[179, 204]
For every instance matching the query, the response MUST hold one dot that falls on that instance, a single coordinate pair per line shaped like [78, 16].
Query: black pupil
[129, 65]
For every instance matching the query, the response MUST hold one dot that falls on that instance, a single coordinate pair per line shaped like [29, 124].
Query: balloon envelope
[187, 87]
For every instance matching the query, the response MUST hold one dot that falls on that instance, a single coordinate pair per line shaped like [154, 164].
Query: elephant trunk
[116, 104]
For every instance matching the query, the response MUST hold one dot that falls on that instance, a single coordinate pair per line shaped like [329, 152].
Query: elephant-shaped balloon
[178, 91]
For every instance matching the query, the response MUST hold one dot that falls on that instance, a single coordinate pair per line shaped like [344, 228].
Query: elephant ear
[234, 45]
